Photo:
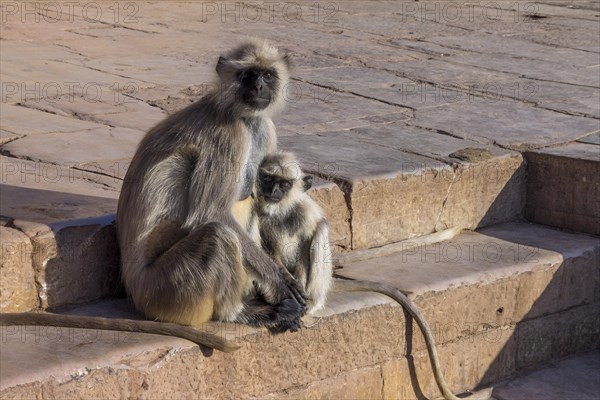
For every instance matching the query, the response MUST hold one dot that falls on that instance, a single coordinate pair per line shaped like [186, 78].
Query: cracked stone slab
[311, 109]
[26, 121]
[122, 111]
[564, 185]
[412, 139]
[383, 86]
[594, 138]
[402, 22]
[561, 97]
[49, 193]
[38, 79]
[471, 83]
[532, 69]
[577, 34]
[518, 49]
[6, 136]
[507, 123]
[78, 147]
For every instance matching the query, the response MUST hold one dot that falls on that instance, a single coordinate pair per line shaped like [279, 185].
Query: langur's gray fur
[185, 258]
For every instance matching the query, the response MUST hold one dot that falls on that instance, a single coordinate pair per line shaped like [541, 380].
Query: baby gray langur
[291, 227]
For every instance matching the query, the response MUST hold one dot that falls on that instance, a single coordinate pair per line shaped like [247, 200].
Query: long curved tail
[404, 301]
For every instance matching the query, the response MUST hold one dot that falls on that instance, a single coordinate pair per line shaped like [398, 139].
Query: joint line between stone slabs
[389, 103]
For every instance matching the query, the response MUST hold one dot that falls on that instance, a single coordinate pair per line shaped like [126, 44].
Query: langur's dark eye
[268, 76]
[285, 185]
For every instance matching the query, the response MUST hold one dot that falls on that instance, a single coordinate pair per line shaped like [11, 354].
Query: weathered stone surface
[507, 123]
[562, 185]
[121, 110]
[379, 181]
[26, 121]
[366, 383]
[463, 361]
[557, 336]
[310, 109]
[77, 264]
[594, 138]
[17, 278]
[54, 193]
[558, 271]
[382, 85]
[6, 136]
[574, 378]
[71, 263]
[520, 49]
[254, 371]
[485, 193]
[75, 148]
[44, 249]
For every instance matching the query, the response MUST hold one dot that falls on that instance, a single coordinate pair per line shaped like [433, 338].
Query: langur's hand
[295, 288]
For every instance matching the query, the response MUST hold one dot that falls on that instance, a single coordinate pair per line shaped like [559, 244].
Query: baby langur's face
[272, 188]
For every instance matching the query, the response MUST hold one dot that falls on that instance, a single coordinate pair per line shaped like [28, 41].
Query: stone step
[372, 196]
[500, 301]
[564, 185]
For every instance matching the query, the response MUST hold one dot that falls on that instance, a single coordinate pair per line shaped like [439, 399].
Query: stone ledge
[71, 261]
[360, 342]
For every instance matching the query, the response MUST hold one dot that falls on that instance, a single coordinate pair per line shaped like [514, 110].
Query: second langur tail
[123, 325]
[361, 286]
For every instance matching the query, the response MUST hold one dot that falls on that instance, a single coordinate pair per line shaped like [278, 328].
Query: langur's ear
[221, 66]
[308, 182]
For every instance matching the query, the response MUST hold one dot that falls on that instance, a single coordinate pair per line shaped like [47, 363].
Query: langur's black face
[257, 86]
[273, 188]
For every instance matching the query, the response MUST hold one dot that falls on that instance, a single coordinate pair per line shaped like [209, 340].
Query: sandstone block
[360, 384]
[84, 267]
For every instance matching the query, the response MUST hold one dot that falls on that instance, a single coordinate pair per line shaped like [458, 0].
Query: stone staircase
[457, 159]
[503, 296]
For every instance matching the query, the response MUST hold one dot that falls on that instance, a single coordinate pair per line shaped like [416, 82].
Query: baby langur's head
[280, 181]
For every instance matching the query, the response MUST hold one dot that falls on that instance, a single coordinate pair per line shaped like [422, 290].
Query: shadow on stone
[563, 320]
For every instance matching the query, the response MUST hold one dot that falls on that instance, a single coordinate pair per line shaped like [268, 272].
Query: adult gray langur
[185, 258]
